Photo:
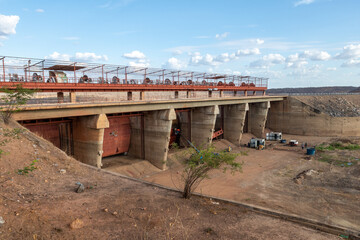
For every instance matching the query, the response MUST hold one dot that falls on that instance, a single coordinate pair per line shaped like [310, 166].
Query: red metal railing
[52, 75]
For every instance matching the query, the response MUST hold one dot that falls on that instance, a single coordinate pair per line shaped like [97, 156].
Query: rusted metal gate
[117, 136]
[56, 131]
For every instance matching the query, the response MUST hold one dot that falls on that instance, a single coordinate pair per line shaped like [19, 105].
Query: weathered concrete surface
[88, 135]
[157, 128]
[295, 117]
[234, 121]
[72, 97]
[203, 124]
[157, 136]
[257, 118]
[31, 112]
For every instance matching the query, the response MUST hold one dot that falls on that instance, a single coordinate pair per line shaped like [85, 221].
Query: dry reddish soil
[328, 193]
[43, 204]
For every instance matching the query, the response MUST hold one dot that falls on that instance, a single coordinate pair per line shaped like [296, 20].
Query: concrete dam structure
[142, 129]
[328, 116]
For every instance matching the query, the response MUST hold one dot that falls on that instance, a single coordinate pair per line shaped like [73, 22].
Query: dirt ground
[44, 204]
[283, 178]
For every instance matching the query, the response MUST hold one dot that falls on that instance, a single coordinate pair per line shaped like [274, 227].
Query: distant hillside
[357, 90]
[314, 90]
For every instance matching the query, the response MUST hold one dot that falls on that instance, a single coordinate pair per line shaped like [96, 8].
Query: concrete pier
[257, 118]
[234, 121]
[203, 124]
[88, 135]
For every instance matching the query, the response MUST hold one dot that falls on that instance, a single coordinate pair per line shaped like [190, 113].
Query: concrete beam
[257, 118]
[203, 124]
[32, 112]
[88, 136]
[234, 121]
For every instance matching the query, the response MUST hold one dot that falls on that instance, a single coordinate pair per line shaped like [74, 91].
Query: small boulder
[2, 221]
[76, 224]
[80, 188]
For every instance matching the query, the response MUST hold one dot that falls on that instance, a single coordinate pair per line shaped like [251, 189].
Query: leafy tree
[13, 99]
[201, 162]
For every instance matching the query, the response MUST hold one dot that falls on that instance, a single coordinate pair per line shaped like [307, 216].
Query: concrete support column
[235, 92]
[129, 96]
[72, 96]
[264, 93]
[254, 93]
[60, 97]
[203, 124]
[176, 94]
[245, 93]
[209, 94]
[88, 135]
[221, 93]
[187, 94]
[157, 136]
[234, 121]
[142, 95]
[257, 118]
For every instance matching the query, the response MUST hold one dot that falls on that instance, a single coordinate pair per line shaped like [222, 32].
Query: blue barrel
[283, 141]
[310, 151]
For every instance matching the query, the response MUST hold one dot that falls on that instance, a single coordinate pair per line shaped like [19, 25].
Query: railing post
[43, 72]
[3, 60]
[74, 72]
[126, 76]
[102, 74]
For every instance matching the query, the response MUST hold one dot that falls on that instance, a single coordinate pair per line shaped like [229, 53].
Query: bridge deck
[31, 112]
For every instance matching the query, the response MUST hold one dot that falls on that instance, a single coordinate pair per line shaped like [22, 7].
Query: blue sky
[296, 43]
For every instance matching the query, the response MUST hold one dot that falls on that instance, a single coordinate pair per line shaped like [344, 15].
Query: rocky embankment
[335, 106]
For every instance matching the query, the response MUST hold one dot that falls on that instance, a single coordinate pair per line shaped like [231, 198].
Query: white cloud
[268, 61]
[174, 63]
[259, 41]
[351, 63]
[134, 55]
[316, 55]
[8, 25]
[295, 61]
[86, 57]
[58, 56]
[222, 35]
[39, 10]
[331, 69]
[198, 59]
[90, 57]
[247, 52]
[140, 63]
[177, 52]
[303, 2]
[71, 38]
[349, 52]
[209, 59]
[225, 57]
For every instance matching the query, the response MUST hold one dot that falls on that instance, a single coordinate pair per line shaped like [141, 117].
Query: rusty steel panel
[50, 132]
[58, 133]
[117, 136]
